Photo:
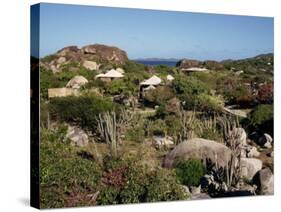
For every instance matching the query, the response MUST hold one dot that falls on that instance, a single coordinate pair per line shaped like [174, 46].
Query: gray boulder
[249, 167]
[77, 136]
[265, 182]
[91, 65]
[61, 60]
[186, 190]
[206, 150]
[163, 141]
[252, 151]
[200, 196]
[195, 190]
[272, 154]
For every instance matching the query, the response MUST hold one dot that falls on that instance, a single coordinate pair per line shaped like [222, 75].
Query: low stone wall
[61, 92]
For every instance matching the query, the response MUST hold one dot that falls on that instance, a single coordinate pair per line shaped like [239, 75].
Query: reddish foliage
[265, 93]
[76, 198]
[115, 177]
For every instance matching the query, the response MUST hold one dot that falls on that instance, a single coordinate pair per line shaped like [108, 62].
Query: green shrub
[48, 80]
[44, 114]
[136, 134]
[241, 95]
[158, 96]
[62, 172]
[163, 186]
[137, 177]
[161, 111]
[196, 95]
[116, 87]
[141, 184]
[208, 103]
[134, 67]
[121, 87]
[82, 110]
[163, 69]
[261, 119]
[189, 172]
[189, 86]
[173, 125]
[156, 127]
[109, 196]
[211, 135]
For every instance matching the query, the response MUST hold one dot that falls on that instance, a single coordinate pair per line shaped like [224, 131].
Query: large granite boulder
[206, 150]
[108, 53]
[91, 65]
[252, 151]
[188, 63]
[200, 196]
[76, 82]
[165, 141]
[66, 51]
[84, 56]
[264, 179]
[249, 167]
[77, 136]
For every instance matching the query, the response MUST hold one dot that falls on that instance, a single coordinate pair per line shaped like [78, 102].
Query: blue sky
[150, 33]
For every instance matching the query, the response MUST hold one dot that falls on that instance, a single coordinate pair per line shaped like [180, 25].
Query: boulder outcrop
[77, 136]
[206, 150]
[265, 181]
[249, 167]
[188, 63]
[88, 56]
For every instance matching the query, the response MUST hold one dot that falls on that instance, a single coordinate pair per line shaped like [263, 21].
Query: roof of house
[154, 80]
[120, 70]
[170, 77]
[110, 74]
[195, 69]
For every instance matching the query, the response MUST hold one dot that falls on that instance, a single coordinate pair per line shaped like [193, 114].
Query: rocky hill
[92, 55]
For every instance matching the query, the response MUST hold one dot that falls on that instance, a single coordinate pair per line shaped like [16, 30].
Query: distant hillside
[260, 63]
[157, 59]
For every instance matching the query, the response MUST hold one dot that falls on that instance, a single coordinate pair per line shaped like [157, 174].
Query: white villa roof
[150, 87]
[195, 69]
[154, 80]
[111, 74]
[170, 77]
[120, 70]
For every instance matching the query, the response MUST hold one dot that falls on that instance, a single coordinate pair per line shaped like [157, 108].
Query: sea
[157, 62]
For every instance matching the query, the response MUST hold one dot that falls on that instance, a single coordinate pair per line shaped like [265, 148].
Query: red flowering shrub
[265, 94]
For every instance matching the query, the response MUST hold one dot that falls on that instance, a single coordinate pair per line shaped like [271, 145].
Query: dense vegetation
[190, 172]
[190, 106]
[69, 175]
[82, 110]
